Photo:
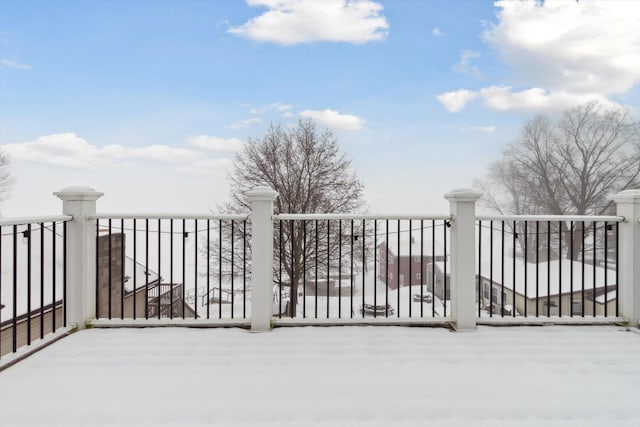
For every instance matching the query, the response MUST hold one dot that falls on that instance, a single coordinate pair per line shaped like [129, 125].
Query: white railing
[460, 258]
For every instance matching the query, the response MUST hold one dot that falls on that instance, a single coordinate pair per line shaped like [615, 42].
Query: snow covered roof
[554, 276]
[414, 245]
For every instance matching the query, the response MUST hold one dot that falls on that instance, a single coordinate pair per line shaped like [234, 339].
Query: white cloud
[12, 63]
[208, 167]
[464, 64]
[563, 53]
[71, 151]
[245, 123]
[483, 129]
[291, 22]
[437, 32]
[276, 106]
[214, 143]
[456, 100]
[334, 120]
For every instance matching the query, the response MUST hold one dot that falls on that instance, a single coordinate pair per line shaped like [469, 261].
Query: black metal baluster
[422, 272]
[122, 250]
[209, 267]
[433, 267]
[491, 268]
[159, 270]
[220, 269]
[537, 271]
[480, 268]
[171, 268]
[364, 263]
[28, 235]
[617, 268]
[280, 269]
[593, 297]
[351, 273]
[316, 278]
[293, 296]
[526, 252]
[233, 249]
[14, 333]
[571, 265]
[515, 237]
[64, 274]
[560, 268]
[135, 266]
[582, 271]
[398, 270]
[244, 268]
[410, 272]
[548, 268]
[605, 232]
[446, 224]
[328, 256]
[501, 272]
[304, 268]
[195, 269]
[110, 268]
[53, 282]
[184, 282]
[340, 268]
[386, 300]
[146, 268]
[42, 280]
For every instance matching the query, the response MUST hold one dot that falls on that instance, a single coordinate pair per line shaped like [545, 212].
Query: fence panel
[543, 266]
[33, 284]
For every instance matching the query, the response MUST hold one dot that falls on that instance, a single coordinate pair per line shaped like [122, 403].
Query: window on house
[416, 258]
[505, 300]
[551, 309]
[576, 307]
[486, 291]
[418, 276]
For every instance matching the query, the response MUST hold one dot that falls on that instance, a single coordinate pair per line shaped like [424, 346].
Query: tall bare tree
[6, 181]
[568, 167]
[305, 166]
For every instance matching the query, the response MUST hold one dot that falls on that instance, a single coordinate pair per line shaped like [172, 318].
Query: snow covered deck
[338, 376]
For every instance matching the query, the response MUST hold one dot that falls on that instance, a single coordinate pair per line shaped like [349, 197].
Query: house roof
[414, 245]
[547, 278]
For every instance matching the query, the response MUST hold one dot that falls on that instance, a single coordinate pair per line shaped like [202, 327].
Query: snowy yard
[338, 376]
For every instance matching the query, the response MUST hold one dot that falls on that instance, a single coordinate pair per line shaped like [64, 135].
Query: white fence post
[81, 253]
[262, 257]
[628, 206]
[462, 204]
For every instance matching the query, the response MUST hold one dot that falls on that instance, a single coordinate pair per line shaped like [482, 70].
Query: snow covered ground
[337, 376]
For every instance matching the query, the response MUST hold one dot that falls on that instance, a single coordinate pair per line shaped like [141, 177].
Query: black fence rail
[543, 266]
[172, 266]
[33, 280]
[360, 266]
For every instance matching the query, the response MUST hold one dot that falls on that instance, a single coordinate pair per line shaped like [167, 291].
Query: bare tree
[310, 174]
[6, 181]
[567, 167]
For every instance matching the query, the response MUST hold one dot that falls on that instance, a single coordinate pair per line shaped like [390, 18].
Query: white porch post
[462, 204]
[81, 253]
[628, 206]
[262, 257]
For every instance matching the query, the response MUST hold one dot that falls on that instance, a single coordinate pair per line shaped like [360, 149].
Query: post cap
[78, 193]
[463, 195]
[262, 192]
[629, 196]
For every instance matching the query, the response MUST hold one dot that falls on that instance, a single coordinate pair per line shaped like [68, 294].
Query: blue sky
[148, 101]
